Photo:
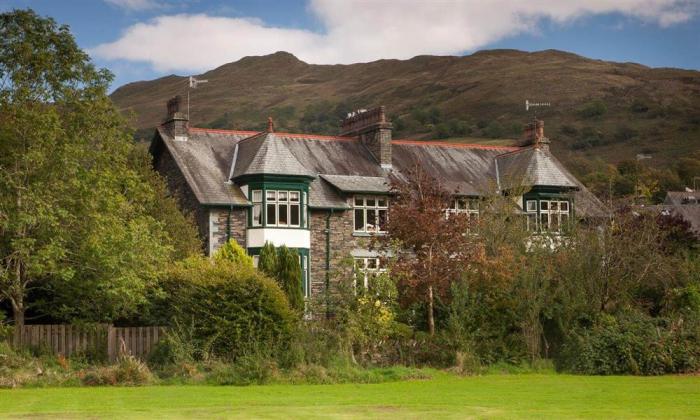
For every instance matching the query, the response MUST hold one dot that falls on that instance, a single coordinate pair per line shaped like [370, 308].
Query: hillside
[599, 109]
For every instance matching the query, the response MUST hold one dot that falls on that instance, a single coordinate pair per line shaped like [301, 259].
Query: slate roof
[340, 164]
[265, 154]
[532, 166]
[359, 184]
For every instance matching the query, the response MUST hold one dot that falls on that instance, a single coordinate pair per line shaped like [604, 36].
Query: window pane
[532, 222]
[544, 205]
[564, 220]
[564, 206]
[554, 223]
[382, 219]
[271, 195]
[294, 196]
[294, 215]
[554, 206]
[461, 204]
[381, 202]
[271, 214]
[531, 205]
[544, 221]
[257, 196]
[359, 220]
[256, 260]
[371, 220]
[283, 216]
[473, 205]
[359, 201]
[371, 202]
[371, 263]
[282, 196]
[257, 214]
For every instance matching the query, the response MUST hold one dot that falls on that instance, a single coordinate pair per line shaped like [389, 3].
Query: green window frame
[278, 205]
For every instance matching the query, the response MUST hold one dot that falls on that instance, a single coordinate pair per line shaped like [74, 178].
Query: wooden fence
[100, 339]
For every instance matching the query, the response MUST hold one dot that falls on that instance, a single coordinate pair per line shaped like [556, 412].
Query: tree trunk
[431, 315]
[18, 316]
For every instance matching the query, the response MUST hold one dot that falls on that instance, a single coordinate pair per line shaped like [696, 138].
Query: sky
[147, 39]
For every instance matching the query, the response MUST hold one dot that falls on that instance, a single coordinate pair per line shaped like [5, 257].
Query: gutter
[328, 257]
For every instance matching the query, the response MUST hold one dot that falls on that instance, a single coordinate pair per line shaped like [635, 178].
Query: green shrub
[233, 253]
[289, 276]
[631, 343]
[228, 308]
[593, 109]
[129, 371]
[268, 260]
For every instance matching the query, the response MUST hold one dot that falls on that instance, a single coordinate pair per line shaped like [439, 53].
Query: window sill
[368, 234]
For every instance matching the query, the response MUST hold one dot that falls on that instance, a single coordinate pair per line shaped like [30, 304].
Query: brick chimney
[533, 135]
[176, 123]
[373, 130]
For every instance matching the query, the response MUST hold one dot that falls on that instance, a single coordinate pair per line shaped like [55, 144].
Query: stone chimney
[176, 123]
[533, 135]
[373, 130]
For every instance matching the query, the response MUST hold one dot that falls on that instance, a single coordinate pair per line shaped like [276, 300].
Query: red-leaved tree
[430, 250]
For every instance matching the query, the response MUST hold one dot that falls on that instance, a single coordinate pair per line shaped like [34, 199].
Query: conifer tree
[268, 260]
[289, 276]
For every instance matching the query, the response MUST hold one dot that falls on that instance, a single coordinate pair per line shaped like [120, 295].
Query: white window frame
[278, 201]
[368, 267]
[548, 215]
[464, 205]
[377, 209]
[257, 199]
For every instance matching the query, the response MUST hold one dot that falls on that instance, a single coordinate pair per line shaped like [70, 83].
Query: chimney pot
[176, 123]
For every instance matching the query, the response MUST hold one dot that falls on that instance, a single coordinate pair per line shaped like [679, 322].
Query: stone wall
[165, 164]
[219, 226]
[342, 243]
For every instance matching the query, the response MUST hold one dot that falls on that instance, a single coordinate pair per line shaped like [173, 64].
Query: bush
[228, 308]
[631, 343]
[593, 109]
[128, 371]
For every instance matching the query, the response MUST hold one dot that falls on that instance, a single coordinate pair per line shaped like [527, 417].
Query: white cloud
[135, 5]
[361, 30]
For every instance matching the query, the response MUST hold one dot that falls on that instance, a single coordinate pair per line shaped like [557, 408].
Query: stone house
[326, 195]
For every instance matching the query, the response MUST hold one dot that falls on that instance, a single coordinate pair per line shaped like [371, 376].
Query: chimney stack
[373, 130]
[176, 123]
[533, 135]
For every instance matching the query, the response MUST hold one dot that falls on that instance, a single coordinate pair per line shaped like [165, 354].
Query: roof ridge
[224, 131]
[456, 145]
[518, 149]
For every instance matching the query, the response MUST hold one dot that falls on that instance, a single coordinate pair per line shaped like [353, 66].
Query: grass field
[529, 396]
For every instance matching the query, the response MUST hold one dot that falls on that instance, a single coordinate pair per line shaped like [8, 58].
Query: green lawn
[527, 395]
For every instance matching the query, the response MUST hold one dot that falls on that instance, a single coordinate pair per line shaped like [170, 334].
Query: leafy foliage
[77, 219]
[230, 308]
[234, 253]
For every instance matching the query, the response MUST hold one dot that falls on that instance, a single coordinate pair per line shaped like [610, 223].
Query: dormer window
[370, 213]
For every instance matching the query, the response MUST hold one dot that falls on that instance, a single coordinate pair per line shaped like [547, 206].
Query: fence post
[111, 343]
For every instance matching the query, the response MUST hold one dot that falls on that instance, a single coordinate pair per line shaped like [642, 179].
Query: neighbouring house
[684, 204]
[325, 195]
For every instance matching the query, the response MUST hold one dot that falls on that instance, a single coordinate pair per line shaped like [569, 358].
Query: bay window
[370, 214]
[547, 215]
[282, 208]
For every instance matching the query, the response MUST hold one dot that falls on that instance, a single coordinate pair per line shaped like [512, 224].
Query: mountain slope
[598, 108]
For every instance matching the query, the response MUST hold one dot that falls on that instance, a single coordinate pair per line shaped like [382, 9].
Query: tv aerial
[529, 104]
[193, 83]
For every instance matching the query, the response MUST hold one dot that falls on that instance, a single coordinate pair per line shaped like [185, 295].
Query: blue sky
[145, 39]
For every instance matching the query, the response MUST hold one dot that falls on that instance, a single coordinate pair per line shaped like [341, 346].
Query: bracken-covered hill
[598, 108]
